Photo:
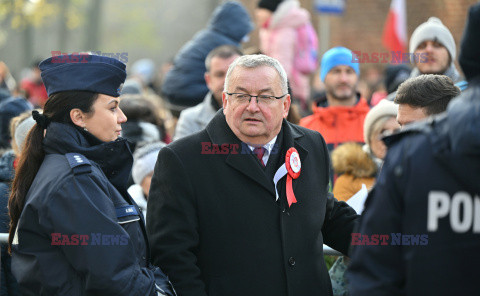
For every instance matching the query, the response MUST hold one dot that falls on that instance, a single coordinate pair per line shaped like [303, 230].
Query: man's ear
[207, 78]
[77, 117]
[286, 105]
[224, 101]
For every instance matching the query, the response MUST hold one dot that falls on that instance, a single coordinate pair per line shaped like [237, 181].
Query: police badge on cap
[95, 73]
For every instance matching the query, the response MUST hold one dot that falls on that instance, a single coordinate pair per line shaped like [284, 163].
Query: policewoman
[74, 228]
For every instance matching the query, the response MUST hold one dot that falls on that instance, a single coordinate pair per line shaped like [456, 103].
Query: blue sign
[330, 6]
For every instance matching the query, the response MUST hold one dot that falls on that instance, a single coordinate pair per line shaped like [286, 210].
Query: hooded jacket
[338, 124]
[80, 233]
[428, 192]
[278, 40]
[184, 85]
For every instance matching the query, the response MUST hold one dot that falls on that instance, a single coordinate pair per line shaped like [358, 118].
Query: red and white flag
[395, 31]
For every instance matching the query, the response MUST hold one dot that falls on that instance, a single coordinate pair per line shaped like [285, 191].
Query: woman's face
[106, 118]
[376, 144]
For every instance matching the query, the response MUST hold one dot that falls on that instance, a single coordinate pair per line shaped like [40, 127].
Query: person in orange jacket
[340, 115]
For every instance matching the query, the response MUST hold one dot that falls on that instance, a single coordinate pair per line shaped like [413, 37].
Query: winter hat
[269, 4]
[131, 87]
[145, 69]
[382, 109]
[9, 109]
[144, 160]
[335, 57]
[433, 29]
[469, 58]
[22, 130]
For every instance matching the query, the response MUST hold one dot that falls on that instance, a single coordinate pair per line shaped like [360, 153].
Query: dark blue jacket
[6, 176]
[8, 285]
[80, 233]
[427, 200]
[184, 85]
[9, 108]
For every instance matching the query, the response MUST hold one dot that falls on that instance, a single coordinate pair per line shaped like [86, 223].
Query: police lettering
[463, 211]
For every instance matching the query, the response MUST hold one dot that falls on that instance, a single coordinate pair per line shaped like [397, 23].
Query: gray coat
[196, 118]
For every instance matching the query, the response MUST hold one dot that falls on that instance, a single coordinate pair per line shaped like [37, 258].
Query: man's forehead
[433, 40]
[342, 67]
[242, 76]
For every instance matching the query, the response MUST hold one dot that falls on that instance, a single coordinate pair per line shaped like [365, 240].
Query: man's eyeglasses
[241, 98]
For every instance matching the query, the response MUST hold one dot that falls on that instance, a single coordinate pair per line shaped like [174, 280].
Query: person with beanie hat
[19, 127]
[10, 108]
[340, 114]
[335, 57]
[434, 50]
[74, 229]
[357, 165]
[20, 132]
[426, 201]
[144, 160]
[381, 120]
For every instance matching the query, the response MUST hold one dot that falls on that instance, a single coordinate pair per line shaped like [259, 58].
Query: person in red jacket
[339, 116]
[35, 89]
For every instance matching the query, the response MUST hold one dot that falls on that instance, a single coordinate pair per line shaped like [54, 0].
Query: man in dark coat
[426, 202]
[215, 221]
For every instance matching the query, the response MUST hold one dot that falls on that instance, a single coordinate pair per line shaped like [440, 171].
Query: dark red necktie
[259, 152]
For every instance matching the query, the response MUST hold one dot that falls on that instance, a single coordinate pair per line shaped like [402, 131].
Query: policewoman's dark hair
[56, 109]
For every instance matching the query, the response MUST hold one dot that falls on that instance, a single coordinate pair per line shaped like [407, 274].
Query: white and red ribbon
[291, 168]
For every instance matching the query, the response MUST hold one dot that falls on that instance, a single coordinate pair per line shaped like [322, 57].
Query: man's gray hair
[257, 61]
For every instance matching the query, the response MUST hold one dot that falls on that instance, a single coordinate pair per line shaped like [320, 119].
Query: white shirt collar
[268, 149]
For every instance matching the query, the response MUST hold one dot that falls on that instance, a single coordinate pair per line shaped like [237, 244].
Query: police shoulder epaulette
[79, 163]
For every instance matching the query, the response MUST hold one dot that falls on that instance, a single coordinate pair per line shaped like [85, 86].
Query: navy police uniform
[80, 233]
[427, 200]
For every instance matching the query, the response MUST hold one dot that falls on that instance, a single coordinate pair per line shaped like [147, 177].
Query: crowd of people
[229, 175]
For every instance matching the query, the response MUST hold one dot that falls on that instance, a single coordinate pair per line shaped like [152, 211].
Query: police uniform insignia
[79, 163]
[119, 89]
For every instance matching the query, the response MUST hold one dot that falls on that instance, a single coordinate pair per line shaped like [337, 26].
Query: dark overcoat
[215, 227]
